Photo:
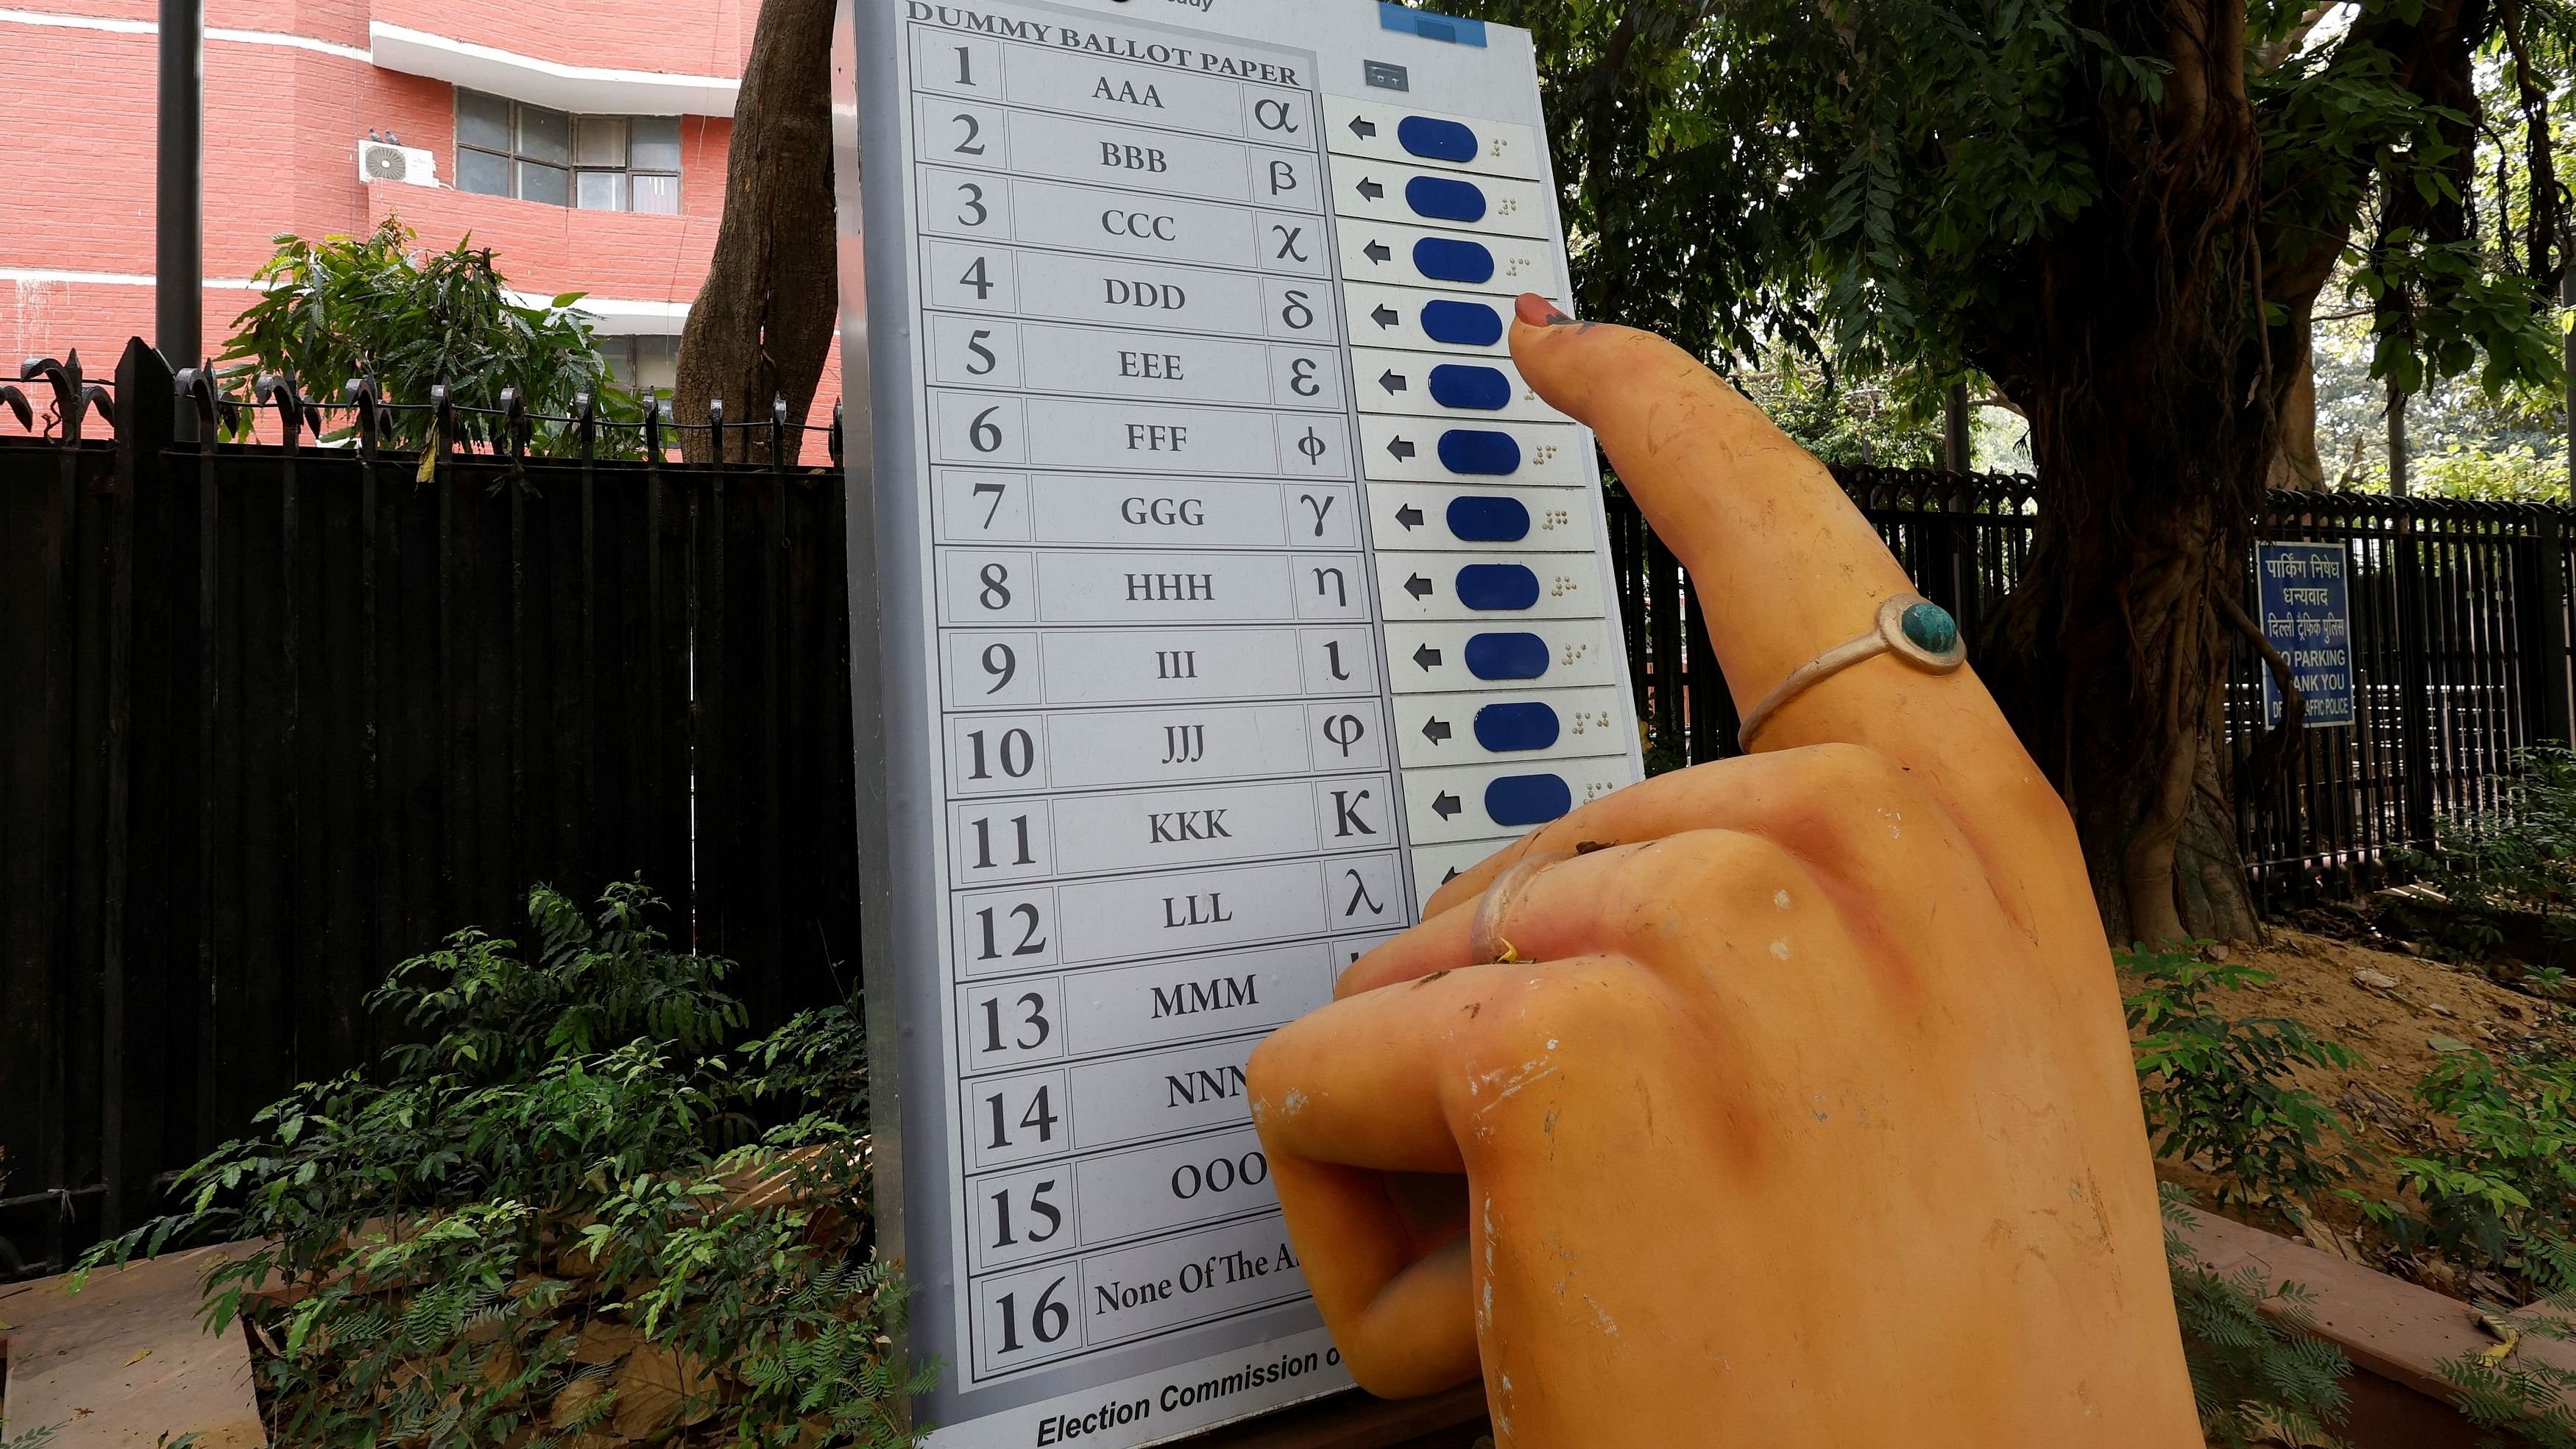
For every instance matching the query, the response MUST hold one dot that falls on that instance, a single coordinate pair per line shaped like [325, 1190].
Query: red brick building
[583, 140]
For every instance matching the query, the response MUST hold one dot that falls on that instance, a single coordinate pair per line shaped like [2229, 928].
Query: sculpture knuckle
[1720, 868]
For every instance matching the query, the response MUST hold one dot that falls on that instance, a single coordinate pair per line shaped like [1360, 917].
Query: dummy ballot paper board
[1219, 590]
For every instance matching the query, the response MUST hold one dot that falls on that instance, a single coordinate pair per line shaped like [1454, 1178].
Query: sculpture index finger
[1795, 583]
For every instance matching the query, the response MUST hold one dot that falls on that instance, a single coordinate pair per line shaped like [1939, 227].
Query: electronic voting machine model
[1218, 589]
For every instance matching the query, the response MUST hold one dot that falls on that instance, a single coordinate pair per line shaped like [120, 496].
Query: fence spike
[278, 390]
[585, 417]
[515, 426]
[833, 440]
[15, 400]
[199, 414]
[715, 426]
[652, 425]
[361, 394]
[71, 399]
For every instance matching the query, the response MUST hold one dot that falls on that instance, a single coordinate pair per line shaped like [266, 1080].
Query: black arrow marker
[1372, 191]
[1392, 381]
[1452, 875]
[1377, 252]
[1437, 731]
[1402, 449]
[1418, 586]
[1386, 316]
[1363, 129]
[1446, 807]
[1411, 518]
[1427, 657]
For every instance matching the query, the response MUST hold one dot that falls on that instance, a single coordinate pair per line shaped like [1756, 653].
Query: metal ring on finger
[1486, 944]
[1909, 626]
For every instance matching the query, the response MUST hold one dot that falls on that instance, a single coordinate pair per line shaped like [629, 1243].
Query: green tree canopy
[2123, 213]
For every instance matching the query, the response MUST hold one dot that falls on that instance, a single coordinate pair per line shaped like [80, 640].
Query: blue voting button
[1476, 450]
[1443, 199]
[1435, 140]
[1460, 385]
[1445, 259]
[1528, 799]
[1501, 727]
[1489, 520]
[1507, 656]
[1497, 586]
[1462, 324]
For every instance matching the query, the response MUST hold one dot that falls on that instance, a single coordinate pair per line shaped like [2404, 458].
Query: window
[642, 362]
[596, 163]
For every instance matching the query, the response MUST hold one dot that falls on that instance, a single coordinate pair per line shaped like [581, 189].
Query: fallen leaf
[2505, 1331]
[659, 1387]
[2371, 979]
[138, 1358]
[604, 1341]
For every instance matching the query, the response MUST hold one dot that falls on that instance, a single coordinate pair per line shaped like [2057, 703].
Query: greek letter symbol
[1321, 506]
[1273, 116]
[1359, 894]
[1288, 238]
[1312, 446]
[1345, 730]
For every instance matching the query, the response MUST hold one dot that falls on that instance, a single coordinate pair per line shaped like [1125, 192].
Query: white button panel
[1261, 591]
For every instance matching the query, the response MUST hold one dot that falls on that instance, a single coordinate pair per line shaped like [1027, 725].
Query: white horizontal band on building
[582, 89]
[610, 316]
[590, 90]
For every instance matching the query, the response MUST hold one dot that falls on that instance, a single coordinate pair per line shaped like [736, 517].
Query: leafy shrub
[374, 306]
[2217, 1090]
[562, 1214]
[2259, 1374]
[2517, 858]
[2504, 1197]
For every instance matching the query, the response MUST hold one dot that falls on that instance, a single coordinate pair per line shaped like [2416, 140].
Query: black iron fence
[275, 717]
[2460, 618]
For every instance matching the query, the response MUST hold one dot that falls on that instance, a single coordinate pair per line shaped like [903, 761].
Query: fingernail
[1537, 311]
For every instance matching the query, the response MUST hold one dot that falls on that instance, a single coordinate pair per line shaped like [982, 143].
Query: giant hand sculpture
[1791, 1093]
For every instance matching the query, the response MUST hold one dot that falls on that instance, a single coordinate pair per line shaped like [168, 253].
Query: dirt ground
[2389, 1006]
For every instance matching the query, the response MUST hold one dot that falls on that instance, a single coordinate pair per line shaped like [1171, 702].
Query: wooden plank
[126, 1361]
[2392, 1330]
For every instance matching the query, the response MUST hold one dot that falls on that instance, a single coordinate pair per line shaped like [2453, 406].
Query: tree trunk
[2150, 385]
[2295, 465]
[762, 325]
[2112, 658]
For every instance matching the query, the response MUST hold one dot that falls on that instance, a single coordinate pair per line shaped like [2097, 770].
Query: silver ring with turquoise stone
[1910, 626]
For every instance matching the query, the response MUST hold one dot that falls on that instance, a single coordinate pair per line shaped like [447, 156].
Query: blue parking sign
[2306, 606]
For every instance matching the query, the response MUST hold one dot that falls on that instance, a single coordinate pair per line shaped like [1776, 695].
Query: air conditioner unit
[382, 161]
